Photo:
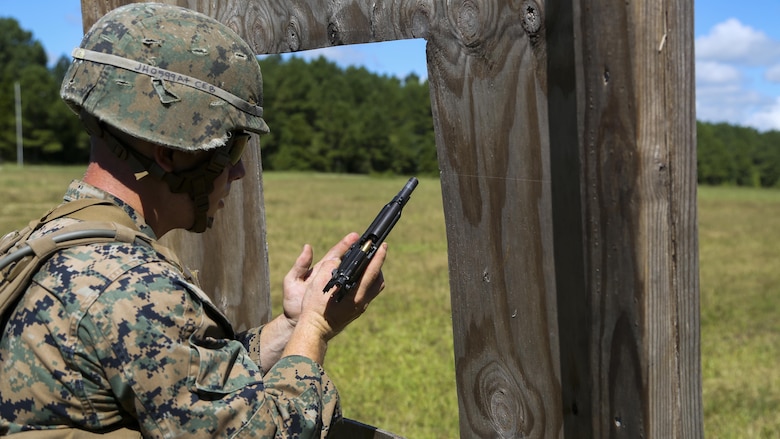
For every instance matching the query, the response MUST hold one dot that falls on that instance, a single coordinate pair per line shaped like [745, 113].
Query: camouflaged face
[152, 105]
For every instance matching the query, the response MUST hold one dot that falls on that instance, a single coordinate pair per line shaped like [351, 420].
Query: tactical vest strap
[105, 214]
[91, 209]
[101, 221]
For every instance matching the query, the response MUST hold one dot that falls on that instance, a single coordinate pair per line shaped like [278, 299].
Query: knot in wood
[258, 28]
[504, 406]
[235, 24]
[293, 34]
[421, 23]
[334, 35]
[531, 17]
[469, 23]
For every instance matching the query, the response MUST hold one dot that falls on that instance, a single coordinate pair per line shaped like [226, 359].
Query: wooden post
[625, 229]
[488, 75]
[566, 140]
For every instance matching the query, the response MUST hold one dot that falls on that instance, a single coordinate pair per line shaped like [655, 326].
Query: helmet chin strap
[197, 182]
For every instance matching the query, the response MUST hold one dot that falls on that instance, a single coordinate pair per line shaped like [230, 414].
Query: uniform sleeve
[172, 368]
[251, 341]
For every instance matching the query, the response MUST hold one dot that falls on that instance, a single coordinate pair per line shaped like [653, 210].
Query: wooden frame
[566, 138]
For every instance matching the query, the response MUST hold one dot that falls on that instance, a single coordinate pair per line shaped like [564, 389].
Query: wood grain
[638, 140]
[490, 115]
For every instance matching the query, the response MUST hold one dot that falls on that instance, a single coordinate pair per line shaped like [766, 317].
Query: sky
[737, 53]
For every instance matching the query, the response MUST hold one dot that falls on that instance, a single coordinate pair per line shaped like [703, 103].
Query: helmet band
[159, 73]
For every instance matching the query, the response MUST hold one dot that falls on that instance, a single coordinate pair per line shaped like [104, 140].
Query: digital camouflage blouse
[114, 335]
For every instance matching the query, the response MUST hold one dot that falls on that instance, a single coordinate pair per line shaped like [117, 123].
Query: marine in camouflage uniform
[108, 334]
[118, 337]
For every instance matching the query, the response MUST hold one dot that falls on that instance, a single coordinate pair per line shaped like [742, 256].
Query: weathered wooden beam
[279, 26]
[628, 281]
[488, 74]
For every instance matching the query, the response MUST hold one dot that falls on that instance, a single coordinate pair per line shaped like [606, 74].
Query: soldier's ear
[164, 157]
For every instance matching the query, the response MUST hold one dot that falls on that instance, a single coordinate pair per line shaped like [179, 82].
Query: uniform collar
[79, 190]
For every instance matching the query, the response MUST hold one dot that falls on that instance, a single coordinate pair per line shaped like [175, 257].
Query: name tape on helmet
[157, 72]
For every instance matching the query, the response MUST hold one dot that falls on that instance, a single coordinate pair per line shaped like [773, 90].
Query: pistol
[355, 260]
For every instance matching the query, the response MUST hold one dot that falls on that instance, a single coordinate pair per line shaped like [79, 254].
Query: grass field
[739, 265]
[394, 366]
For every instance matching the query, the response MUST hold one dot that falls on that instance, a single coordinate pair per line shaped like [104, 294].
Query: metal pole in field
[19, 143]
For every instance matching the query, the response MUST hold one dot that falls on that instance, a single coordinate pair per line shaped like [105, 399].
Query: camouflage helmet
[167, 75]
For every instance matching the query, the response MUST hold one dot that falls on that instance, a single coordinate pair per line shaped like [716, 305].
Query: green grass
[394, 367]
[739, 246]
[30, 191]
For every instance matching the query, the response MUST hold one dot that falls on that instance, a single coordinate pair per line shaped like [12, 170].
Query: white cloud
[341, 55]
[735, 66]
[711, 72]
[727, 103]
[773, 74]
[732, 41]
[767, 118]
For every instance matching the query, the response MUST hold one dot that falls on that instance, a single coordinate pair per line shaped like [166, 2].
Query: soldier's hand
[294, 284]
[321, 308]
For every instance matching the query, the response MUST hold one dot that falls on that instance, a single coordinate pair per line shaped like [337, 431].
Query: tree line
[51, 132]
[328, 119]
[323, 118]
[737, 156]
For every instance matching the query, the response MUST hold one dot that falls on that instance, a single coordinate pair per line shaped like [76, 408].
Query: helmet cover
[167, 75]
